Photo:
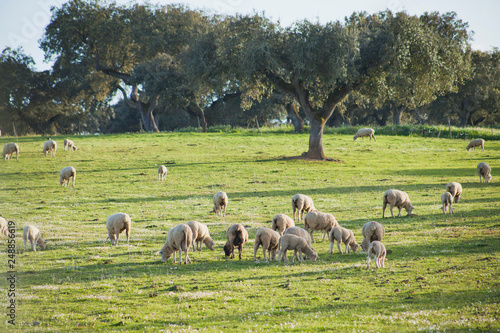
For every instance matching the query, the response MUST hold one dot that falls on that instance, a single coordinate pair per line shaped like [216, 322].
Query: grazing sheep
[236, 235]
[69, 144]
[447, 201]
[50, 146]
[201, 235]
[220, 203]
[162, 172]
[484, 171]
[32, 234]
[66, 174]
[302, 203]
[396, 198]
[476, 143]
[281, 222]
[4, 230]
[116, 223]
[371, 231]
[298, 245]
[376, 249]
[455, 189]
[269, 239]
[343, 235]
[9, 149]
[365, 132]
[179, 238]
[297, 231]
[316, 220]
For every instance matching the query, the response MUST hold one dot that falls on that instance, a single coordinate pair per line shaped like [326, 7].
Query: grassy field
[442, 275]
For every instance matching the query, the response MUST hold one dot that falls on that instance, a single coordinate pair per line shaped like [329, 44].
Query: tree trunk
[197, 111]
[316, 140]
[297, 121]
[147, 117]
[397, 111]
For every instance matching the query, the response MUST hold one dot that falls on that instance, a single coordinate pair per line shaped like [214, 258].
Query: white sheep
[66, 174]
[376, 249]
[162, 172]
[297, 231]
[396, 198]
[343, 235]
[371, 231]
[447, 201]
[455, 190]
[476, 143]
[361, 133]
[236, 235]
[484, 172]
[9, 149]
[4, 230]
[201, 235]
[50, 146]
[281, 222]
[298, 245]
[116, 224]
[179, 238]
[32, 234]
[220, 203]
[69, 144]
[269, 239]
[317, 220]
[302, 203]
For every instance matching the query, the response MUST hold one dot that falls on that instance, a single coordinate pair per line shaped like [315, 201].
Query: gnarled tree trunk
[196, 110]
[397, 112]
[316, 140]
[296, 119]
[146, 110]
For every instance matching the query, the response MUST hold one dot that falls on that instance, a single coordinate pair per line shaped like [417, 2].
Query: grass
[442, 275]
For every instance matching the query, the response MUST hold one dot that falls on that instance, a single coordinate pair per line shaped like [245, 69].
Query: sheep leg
[186, 255]
[383, 208]
[286, 257]
[347, 248]
[255, 248]
[240, 250]
[74, 179]
[339, 247]
[324, 235]
[311, 233]
[390, 207]
[399, 214]
[174, 257]
[33, 246]
[451, 209]
[301, 259]
[331, 247]
[117, 238]
[368, 261]
[294, 209]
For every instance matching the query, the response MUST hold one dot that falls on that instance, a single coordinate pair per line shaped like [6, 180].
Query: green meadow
[442, 273]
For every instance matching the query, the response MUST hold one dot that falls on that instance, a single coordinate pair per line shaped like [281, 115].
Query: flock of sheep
[275, 241]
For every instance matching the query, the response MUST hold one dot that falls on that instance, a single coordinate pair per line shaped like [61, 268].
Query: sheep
[281, 222]
[236, 236]
[297, 231]
[343, 235]
[9, 149]
[455, 189]
[376, 249]
[162, 172]
[220, 203]
[484, 171]
[298, 244]
[447, 201]
[4, 230]
[69, 144]
[66, 174]
[179, 238]
[396, 198]
[32, 234]
[302, 203]
[475, 143]
[371, 231]
[50, 146]
[361, 133]
[201, 235]
[316, 220]
[269, 239]
[115, 224]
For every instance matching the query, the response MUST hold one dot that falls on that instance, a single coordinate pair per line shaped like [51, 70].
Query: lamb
[9, 149]
[220, 203]
[32, 234]
[4, 230]
[365, 132]
[269, 239]
[343, 235]
[115, 224]
[69, 144]
[298, 245]
[455, 189]
[236, 235]
[376, 249]
[201, 235]
[162, 172]
[297, 231]
[302, 203]
[447, 201]
[316, 220]
[476, 143]
[50, 146]
[281, 222]
[484, 170]
[396, 198]
[371, 231]
[66, 174]
[179, 238]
